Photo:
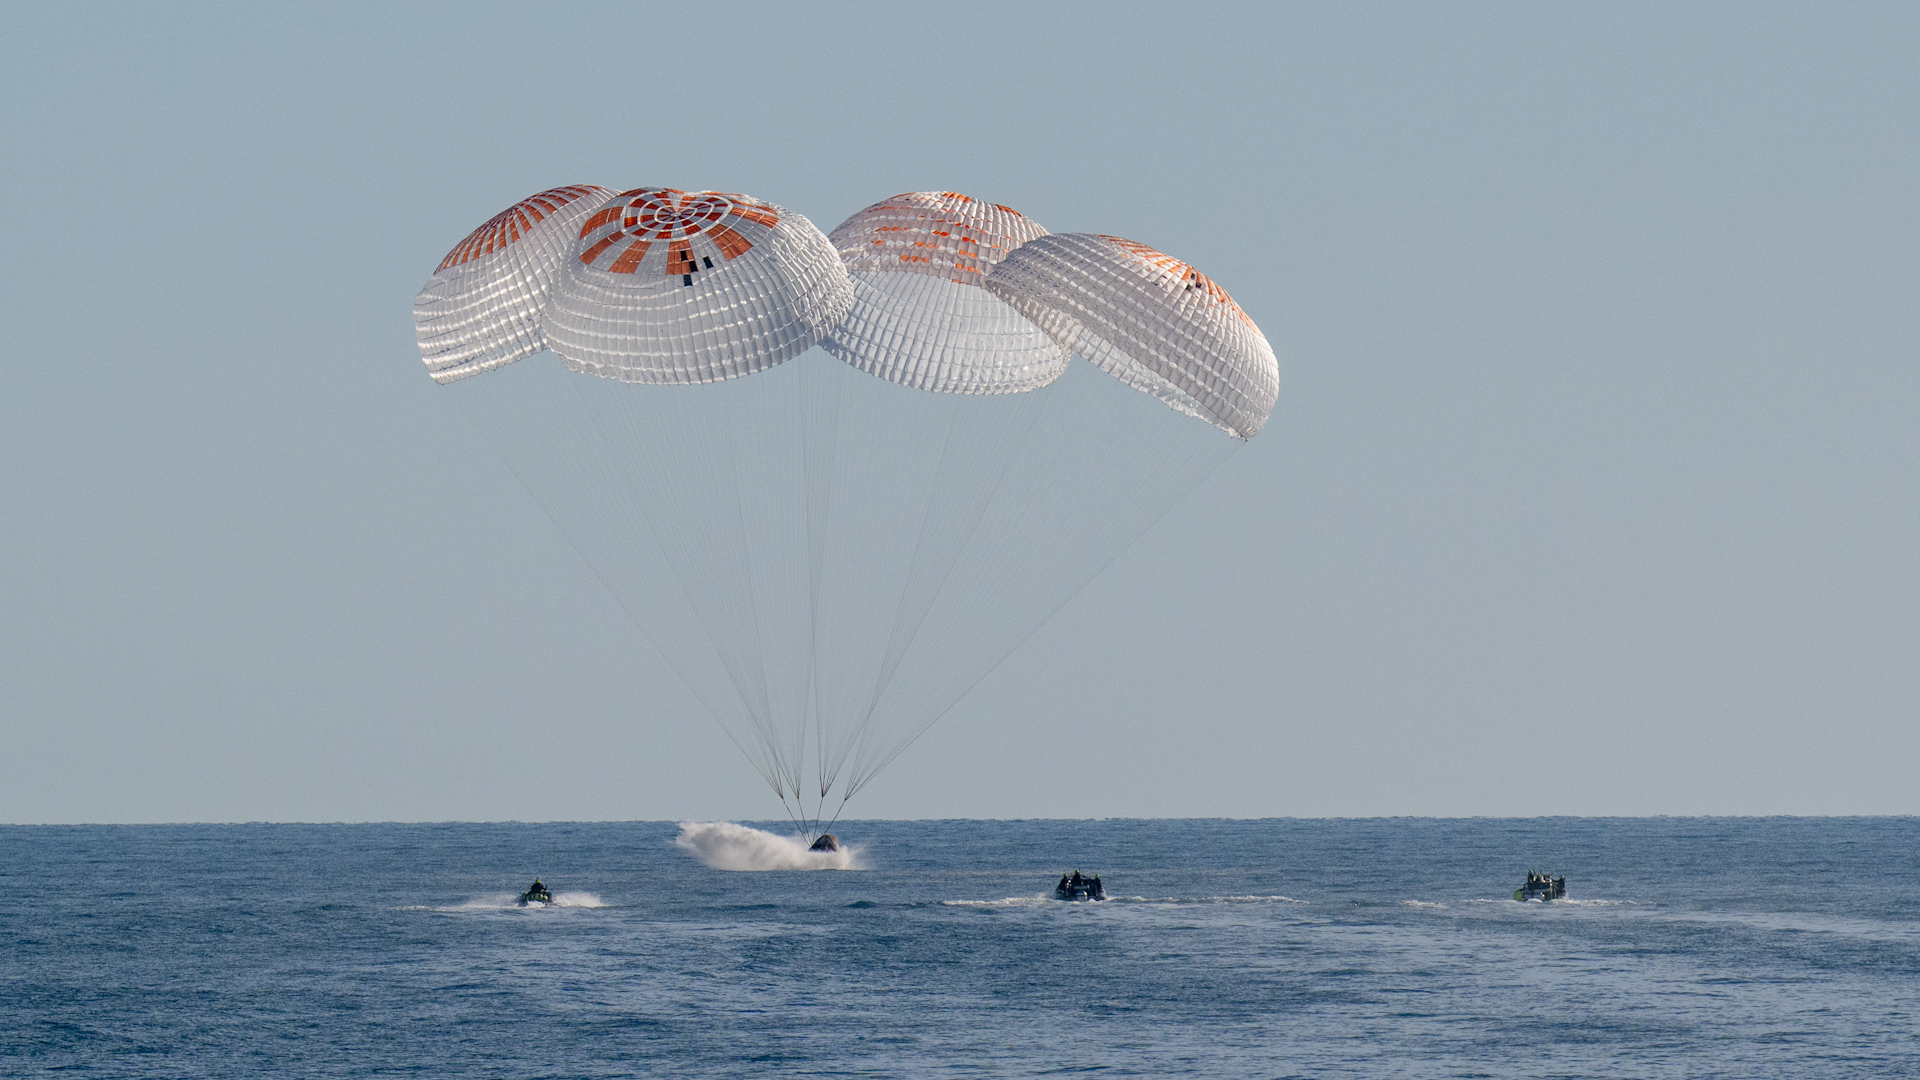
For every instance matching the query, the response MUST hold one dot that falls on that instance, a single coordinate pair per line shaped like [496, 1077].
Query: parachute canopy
[668, 286]
[832, 549]
[481, 308]
[1149, 320]
[921, 316]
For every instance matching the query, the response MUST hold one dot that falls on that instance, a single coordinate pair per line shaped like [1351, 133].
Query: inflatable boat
[1074, 886]
[1542, 886]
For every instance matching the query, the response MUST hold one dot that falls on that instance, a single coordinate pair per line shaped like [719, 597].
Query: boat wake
[1560, 903]
[507, 900]
[1177, 900]
[1047, 900]
[723, 845]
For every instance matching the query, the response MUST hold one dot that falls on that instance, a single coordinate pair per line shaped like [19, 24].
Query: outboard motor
[826, 842]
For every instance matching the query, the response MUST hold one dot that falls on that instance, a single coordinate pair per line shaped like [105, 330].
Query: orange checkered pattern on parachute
[511, 224]
[641, 218]
[942, 233]
[1186, 276]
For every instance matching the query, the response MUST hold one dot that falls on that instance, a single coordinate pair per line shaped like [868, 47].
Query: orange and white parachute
[669, 286]
[921, 316]
[481, 308]
[1149, 320]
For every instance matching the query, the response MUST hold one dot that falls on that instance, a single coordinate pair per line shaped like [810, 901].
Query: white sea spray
[724, 845]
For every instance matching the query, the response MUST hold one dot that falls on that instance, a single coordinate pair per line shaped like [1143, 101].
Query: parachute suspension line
[802, 824]
[830, 773]
[860, 781]
[1108, 463]
[1004, 425]
[648, 487]
[837, 811]
[890, 660]
[517, 411]
[899, 479]
[753, 637]
[640, 426]
[764, 446]
[831, 561]
[712, 470]
[772, 489]
[820, 427]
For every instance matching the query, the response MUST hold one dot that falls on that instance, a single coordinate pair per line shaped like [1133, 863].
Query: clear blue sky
[1594, 486]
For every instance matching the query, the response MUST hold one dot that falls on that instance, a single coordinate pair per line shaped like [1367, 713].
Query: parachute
[833, 546]
[1149, 320]
[480, 309]
[644, 301]
[920, 315]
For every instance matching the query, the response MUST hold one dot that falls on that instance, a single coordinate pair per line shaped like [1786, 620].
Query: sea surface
[1689, 947]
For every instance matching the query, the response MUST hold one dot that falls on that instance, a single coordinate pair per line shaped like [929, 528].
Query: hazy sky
[1594, 485]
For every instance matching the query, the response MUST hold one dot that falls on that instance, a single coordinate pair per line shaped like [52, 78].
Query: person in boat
[538, 893]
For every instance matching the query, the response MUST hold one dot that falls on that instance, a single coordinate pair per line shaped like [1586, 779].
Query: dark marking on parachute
[686, 279]
[708, 259]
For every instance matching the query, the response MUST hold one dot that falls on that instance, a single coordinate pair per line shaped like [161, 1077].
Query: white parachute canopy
[668, 286]
[479, 309]
[831, 552]
[921, 316]
[1149, 320]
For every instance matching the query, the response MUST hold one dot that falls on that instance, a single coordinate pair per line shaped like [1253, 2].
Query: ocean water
[1773, 947]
